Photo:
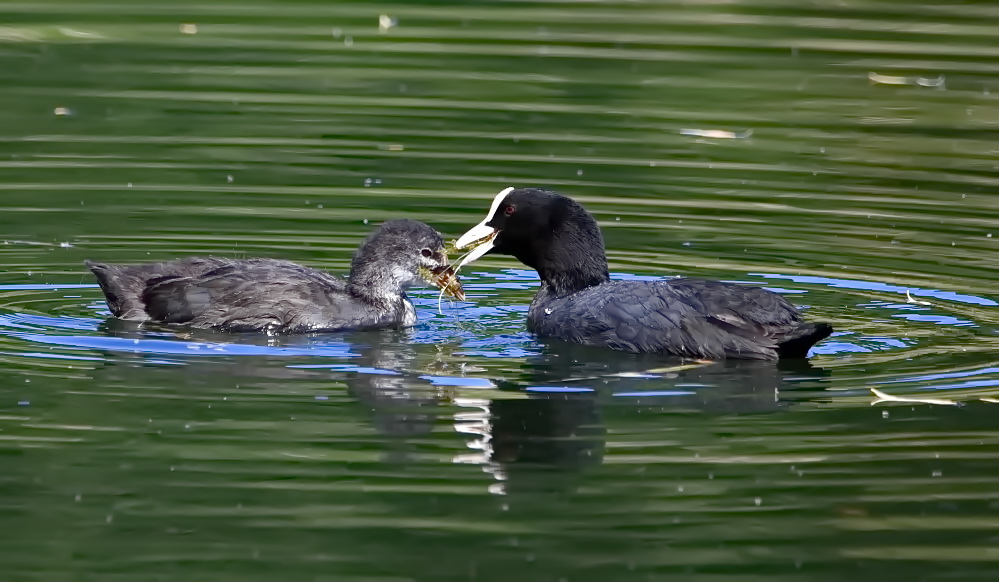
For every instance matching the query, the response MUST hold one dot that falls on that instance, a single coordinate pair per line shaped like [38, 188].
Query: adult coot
[578, 302]
[282, 297]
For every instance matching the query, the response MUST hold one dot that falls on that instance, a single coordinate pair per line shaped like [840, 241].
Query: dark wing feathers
[173, 299]
[123, 285]
[684, 317]
[250, 295]
[244, 295]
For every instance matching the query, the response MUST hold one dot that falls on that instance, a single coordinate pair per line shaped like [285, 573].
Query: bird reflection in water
[542, 425]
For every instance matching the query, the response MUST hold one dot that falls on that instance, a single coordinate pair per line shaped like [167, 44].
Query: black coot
[279, 296]
[577, 301]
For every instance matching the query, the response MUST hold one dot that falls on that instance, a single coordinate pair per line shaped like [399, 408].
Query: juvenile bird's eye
[509, 210]
[427, 253]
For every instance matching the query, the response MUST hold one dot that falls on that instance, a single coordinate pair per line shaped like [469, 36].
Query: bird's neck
[571, 263]
[377, 284]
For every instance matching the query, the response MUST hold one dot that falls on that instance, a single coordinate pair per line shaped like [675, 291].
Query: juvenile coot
[578, 302]
[281, 297]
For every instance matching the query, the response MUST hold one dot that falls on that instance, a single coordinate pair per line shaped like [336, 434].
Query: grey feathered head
[399, 254]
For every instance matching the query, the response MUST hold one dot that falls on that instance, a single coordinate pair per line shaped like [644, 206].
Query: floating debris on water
[62, 111]
[883, 397]
[716, 133]
[910, 299]
[386, 22]
[73, 33]
[188, 28]
[880, 79]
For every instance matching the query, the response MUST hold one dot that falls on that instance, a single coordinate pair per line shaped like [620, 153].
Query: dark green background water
[465, 449]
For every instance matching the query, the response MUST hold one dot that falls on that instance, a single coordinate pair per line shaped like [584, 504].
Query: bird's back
[123, 285]
[685, 317]
[235, 295]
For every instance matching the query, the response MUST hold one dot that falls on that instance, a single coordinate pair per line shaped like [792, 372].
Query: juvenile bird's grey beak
[480, 237]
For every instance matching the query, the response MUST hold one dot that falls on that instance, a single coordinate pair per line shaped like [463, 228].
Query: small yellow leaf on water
[888, 79]
[188, 28]
[716, 133]
[880, 79]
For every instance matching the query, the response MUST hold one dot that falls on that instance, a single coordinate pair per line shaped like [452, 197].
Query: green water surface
[841, 152]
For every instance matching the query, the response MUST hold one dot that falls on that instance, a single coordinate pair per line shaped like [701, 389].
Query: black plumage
[577, 301]
[279, 296]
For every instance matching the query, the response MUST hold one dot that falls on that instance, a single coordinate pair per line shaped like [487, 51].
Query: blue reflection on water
[479, 331]
[181, 347]
[942, 376]
[459, 381]
[886, 287]
[558, 389]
